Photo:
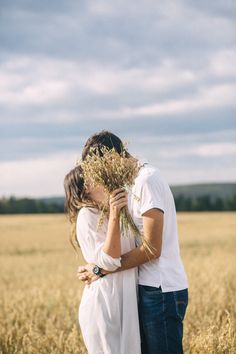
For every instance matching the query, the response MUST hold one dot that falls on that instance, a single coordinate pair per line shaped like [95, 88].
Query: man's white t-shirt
[152, 191]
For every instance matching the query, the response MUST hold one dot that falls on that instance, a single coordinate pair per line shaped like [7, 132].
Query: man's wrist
[105, 272]
[98, 271]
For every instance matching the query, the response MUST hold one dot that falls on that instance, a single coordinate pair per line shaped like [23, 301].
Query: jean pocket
[150, 290]
[181, 303]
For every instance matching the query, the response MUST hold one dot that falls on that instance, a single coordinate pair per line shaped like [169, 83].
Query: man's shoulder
[148, 173]
[151, 176]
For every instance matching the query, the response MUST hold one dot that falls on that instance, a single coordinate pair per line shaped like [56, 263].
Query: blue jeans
[161, 320]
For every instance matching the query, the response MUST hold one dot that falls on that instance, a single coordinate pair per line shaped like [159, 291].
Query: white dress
[108, 312]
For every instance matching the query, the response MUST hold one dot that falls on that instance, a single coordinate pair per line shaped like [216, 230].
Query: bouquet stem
[127, 223]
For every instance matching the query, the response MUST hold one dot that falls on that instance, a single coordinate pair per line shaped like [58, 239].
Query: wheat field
[39, 291]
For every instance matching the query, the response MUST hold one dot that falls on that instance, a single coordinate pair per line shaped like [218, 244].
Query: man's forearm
[153, 227]
[153, 221]
[135, 258]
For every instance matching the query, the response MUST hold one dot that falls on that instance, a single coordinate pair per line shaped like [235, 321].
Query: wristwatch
[98, 271]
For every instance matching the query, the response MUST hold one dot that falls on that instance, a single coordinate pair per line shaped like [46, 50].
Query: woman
[108, 313]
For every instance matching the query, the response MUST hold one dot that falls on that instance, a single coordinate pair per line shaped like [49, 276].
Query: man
[163, 293]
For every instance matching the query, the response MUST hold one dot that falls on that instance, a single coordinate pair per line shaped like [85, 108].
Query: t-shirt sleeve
[151, 194]
[91, 241]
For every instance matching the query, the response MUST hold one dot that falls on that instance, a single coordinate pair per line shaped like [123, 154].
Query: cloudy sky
[160, 74]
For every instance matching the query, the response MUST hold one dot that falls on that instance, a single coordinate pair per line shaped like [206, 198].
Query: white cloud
[43, 81]
[36, 177]
[222, 63]
[25, 81]
[216, 149]
[33, 80]
[194, 175]
[221, 95]
[61, 84]
[101, 8]
[171, 147]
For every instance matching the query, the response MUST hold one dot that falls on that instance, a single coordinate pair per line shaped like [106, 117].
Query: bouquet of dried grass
[111, 171]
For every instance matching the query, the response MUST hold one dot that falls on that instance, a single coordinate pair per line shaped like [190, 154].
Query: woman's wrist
[114, 213]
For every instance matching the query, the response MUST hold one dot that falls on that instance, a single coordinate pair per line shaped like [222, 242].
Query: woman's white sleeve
[103, 260]
[92, 241]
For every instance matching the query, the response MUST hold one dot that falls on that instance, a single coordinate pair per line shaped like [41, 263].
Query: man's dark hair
[104, 139]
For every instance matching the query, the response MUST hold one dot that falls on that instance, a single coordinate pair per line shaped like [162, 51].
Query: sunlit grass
[40, 293]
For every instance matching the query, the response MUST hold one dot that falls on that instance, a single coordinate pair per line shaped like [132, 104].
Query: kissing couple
[136, 291]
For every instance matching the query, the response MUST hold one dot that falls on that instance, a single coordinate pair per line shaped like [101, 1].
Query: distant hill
[196, 197]
[214, 190]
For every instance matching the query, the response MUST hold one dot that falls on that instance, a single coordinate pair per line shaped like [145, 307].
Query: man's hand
[85, 273]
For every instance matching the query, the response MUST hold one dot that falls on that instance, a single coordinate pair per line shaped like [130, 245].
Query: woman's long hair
[75, 199]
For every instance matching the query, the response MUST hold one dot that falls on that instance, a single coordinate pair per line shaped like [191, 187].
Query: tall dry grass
[39, 291]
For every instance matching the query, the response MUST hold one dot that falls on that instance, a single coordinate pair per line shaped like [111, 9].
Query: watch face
[96, 270]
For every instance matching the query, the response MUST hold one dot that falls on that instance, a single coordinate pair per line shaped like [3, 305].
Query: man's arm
[153, 220]
[152, 230]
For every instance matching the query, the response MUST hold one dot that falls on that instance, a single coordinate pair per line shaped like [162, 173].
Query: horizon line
[61, 196]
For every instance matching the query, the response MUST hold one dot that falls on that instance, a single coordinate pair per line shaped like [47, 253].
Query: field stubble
[40, 293]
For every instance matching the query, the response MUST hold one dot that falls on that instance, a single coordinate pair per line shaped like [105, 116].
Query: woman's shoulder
[87, 213]
[87, 223]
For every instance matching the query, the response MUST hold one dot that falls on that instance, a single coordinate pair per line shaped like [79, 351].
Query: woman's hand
[118, 200]
[86, 275]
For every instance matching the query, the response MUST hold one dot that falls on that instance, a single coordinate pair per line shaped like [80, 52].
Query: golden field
[39, 291]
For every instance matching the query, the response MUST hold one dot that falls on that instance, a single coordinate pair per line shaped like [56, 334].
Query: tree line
[205, 203]
[14, 205]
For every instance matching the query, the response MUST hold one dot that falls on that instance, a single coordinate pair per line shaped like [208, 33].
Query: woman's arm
[106, 254]
[112, 244]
